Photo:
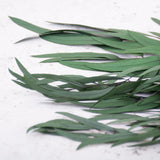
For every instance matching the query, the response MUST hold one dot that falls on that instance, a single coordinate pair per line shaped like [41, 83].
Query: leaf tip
[17, 61]
[13, 18]
[30, 128]
[10, 17]
[9, 70]
[80, 146]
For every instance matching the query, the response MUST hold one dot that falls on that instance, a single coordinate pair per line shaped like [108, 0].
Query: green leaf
[116, 66]
[142, 39]
[118, 116]
[76, 56]
[88, 122]
[128, 108]
[104, 138]
[140, 137]
[29, 26]
[61, 124]
[116, 44]
[156, 20]
[150, 49]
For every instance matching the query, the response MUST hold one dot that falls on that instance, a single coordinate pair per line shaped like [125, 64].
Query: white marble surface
[21, 108]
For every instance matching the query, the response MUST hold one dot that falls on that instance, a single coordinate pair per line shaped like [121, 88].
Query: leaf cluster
[113, 95]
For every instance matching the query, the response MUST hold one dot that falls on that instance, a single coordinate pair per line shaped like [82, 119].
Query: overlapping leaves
[113, 97]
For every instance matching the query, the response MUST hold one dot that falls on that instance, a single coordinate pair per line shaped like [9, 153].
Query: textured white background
[21, 108]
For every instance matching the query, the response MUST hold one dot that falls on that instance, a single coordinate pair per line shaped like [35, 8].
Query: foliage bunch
[113, 96]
